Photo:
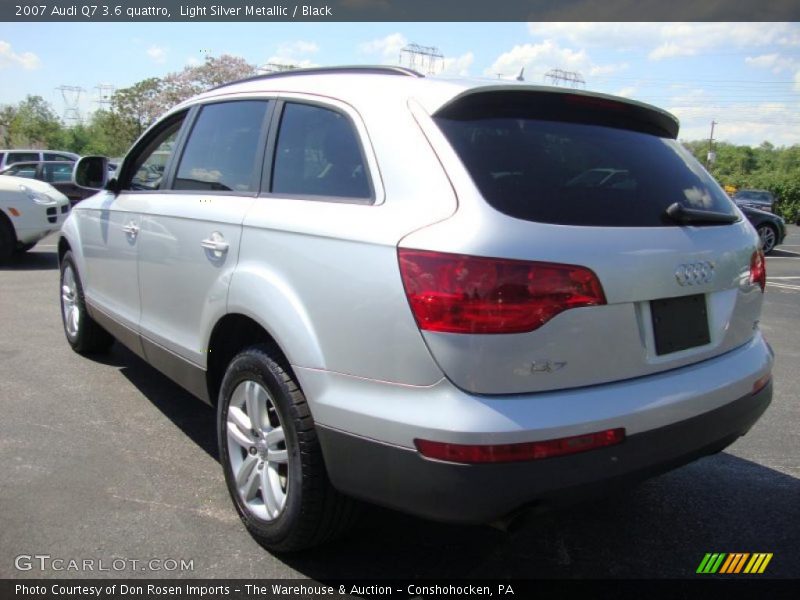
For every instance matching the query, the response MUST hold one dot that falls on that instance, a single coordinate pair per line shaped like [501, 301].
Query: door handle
[131, 229]
[216, 243]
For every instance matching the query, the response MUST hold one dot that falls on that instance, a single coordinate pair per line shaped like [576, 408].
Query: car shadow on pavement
[32, 261]
[661, 528]
[196, 419]
[779, 253]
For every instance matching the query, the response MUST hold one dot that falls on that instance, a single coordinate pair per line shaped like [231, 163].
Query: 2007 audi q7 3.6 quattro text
[453, 298]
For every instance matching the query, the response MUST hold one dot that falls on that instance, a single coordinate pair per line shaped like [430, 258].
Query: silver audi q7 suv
[453, 298]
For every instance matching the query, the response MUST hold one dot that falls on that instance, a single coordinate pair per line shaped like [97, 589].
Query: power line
[571, 78]
[71, 94]
[428, 60]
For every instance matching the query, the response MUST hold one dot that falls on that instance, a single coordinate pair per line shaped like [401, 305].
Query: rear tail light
[466, 294]
[758, 269]
[462, 453]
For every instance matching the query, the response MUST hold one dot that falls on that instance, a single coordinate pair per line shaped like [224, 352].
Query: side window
[58, 173]
[53, 156]
[318, 154]
[220, 155]
[2, 155]
[147, 170]
[27, 171]
[15, 157]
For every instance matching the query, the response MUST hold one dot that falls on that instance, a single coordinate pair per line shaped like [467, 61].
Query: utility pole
[571, 78]
[712, 156]
[72, 96]
[428, 60]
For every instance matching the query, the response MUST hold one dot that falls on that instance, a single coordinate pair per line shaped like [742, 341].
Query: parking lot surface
[107, 460]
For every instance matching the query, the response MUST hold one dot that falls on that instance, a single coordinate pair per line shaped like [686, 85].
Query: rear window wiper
[691, 216]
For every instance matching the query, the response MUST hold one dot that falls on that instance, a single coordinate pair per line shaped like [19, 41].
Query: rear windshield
[558, 166]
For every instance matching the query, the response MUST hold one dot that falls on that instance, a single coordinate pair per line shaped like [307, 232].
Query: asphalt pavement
[108, 461]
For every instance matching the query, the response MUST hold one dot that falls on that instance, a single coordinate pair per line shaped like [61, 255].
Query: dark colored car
[771, 228]
[758, 199]
[56, 173]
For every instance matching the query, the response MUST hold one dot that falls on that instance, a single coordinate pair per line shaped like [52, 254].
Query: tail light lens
[758, 269]
[454, 293]
[470, 454]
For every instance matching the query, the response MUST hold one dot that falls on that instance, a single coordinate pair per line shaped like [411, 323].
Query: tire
[8, 239]
[83, 333]
[768, 237]
[284, 496]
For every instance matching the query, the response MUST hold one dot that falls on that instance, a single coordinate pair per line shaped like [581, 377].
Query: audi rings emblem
[695, 273]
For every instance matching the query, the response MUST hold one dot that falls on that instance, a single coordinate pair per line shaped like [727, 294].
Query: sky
[743, 76]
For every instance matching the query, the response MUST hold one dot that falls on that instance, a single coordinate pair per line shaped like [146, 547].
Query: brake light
[463, 453]
[466, 294]
[758, 269]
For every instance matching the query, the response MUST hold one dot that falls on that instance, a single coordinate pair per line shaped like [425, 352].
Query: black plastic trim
[402, 479]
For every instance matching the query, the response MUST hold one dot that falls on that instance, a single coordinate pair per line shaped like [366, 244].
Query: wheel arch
[231, 334]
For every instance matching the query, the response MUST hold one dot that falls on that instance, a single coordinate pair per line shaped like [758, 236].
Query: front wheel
[272, 458]
[83, 333]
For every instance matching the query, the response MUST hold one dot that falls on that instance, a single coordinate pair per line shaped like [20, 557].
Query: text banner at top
[399, 10]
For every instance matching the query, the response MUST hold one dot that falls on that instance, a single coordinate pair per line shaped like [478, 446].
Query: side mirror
[91, 172]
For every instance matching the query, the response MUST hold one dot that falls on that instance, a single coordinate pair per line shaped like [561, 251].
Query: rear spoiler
[539, 102]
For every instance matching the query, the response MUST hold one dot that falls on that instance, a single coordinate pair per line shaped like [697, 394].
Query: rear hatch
[589, 247]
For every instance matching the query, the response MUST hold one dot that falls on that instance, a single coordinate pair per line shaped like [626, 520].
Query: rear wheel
[768, 236]
[272, 458]
[83, 333]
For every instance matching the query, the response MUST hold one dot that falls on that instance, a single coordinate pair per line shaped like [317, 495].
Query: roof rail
[360, 69]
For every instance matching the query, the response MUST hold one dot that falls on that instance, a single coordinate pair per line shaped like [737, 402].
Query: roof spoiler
[539, 102]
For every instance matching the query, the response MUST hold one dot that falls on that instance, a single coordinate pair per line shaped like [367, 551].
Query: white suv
[454, 298]
[29, 210]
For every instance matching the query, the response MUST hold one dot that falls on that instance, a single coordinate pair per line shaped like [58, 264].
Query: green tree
[138, 105]
[34, 124]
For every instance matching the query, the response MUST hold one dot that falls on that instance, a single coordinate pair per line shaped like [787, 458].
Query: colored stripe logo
[734, 563]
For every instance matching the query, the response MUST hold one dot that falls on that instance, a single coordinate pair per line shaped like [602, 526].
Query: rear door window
[223, 148]
[551, 164]
[318, 154]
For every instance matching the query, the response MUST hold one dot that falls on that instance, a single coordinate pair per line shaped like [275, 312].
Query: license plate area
[679, 323]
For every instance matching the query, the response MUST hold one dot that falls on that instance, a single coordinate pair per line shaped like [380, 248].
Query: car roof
[356, 85]
[67, 152]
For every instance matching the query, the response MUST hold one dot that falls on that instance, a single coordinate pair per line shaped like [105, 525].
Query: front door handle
[216, 243]
[131, 229]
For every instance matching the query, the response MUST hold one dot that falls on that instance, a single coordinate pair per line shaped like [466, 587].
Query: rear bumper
[400, 478]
